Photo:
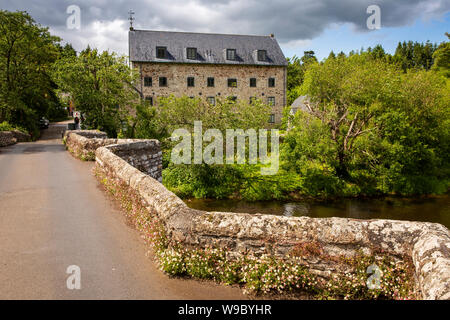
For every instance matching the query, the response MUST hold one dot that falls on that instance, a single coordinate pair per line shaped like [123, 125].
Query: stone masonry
[12, 137]
[7, 138]
[426, 244]
[138, 164]
[83, 143]
[146, 156]
[177, 75]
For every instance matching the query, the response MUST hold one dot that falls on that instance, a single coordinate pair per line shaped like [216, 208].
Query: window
[161, 52]
[162, 81]
[210, 82]
[232, 83]
[233, 98]
[191, 53]
[231, 54]
[147, 81]
[149, 100]
[190, 82]
[271, 101]
[211, 100]
[272, 118]
[252, 82]
[262, 55]
[271, 82]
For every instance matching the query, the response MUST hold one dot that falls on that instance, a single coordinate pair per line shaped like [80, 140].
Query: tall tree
[414, 55]
[442, 58]
[101, 87]
[344, 95]
[27, 52]
[295, 73]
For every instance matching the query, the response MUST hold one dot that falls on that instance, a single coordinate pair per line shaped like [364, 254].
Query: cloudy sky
[299, 25]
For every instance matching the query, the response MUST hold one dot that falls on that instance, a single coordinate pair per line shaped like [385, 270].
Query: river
[435, 209]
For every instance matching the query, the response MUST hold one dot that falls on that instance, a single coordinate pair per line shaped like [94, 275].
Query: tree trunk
[341, 169]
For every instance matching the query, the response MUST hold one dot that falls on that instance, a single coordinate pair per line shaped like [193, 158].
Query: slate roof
[211, 48]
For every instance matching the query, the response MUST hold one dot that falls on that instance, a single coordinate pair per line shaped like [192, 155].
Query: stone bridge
[138, 164]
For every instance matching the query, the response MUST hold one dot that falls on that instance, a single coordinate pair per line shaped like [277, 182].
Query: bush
[5, 126]
[202, 180]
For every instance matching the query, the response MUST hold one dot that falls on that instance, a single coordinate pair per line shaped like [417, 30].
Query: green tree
[66, 51]
[371, 128]
[200, 180]
[442, 58]
[27, 52]
[414, 55]
[295, 73]
[101, 87]
[345, 95]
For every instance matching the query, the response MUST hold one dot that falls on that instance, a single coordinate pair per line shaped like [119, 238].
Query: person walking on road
[77, 123]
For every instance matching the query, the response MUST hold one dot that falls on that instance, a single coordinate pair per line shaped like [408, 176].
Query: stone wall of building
[7, 138]
[426, 244]
[177, 75]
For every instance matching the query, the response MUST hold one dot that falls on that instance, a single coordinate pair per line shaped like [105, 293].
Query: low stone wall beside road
[7, 138]
[20, 136]
[145, 155]
[426, 244]
[83, 143]
[138, 164]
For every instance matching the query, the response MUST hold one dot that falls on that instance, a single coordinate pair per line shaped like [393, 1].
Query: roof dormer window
[161, 52]
[262, 55]
[191, 53]
[231, 54]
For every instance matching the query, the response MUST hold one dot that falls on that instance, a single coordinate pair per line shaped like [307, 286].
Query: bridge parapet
[426, 244]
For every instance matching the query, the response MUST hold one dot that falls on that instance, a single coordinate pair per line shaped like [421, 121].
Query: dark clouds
[289, 20]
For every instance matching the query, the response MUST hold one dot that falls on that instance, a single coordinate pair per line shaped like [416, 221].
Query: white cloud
[103, 35]
[293, 22]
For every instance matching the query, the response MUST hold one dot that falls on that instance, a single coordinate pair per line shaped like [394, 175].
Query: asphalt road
[53, 214]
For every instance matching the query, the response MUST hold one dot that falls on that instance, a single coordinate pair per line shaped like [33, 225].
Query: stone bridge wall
[145, 155]
[8, 138]
[83, 143]
[427, 244]
[138, 164]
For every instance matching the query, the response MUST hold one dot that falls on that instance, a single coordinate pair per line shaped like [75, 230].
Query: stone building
[212, 66]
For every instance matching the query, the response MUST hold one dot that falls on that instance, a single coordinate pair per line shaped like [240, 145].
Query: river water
[436, 209]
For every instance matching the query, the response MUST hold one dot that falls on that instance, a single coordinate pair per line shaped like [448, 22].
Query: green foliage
[27, 52]
[370, 129]
[144, 125]
[174, 113]
[198, 180]
[414, 55]
[441, 58]
[203, 181]
[101, 87]
[396, 281]
[5, 126]
[295, 74]
[225, 181]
